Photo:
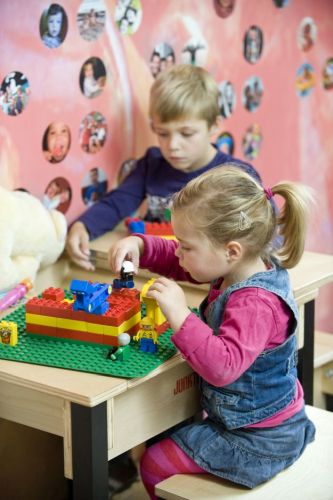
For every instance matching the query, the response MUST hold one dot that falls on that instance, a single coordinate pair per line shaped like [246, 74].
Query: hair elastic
[269, 193]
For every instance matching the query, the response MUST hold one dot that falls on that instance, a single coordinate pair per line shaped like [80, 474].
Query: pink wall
[297, 131]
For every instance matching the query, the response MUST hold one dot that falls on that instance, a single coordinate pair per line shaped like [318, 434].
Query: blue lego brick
[90, 297]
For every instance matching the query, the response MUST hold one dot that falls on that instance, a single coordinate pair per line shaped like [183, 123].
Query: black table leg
[306, 354]
[89, 448]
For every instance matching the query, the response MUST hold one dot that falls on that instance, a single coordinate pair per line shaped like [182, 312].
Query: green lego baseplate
[82, 356]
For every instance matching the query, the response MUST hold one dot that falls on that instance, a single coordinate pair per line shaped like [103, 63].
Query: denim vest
[269, 384]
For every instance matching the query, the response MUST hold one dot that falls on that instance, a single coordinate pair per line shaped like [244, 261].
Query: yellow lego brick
[159, 317]
[72, 324]
[94, 328]
[145, 288]
[40, 319]
[124, 327]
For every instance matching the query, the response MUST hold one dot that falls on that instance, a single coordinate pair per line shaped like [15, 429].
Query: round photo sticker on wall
[162, 57]
[92, 132]
[252, 93]
[56, 142]
[14, 93]
[227, 99]
[128, 15]
[225, 143]
[90, 19]
[94, 186]
[328, 74]
[58, 195]
[224, 8]
[92, 77]
[306, 34]
[195, 52]
[253, 44]
[305, 80]
[53, 26]
[281, 3]
[252, 142]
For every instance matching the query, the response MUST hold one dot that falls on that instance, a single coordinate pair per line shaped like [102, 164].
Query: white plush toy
[30, 236]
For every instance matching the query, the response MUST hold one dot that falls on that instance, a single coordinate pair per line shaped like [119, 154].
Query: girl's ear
[234, 251]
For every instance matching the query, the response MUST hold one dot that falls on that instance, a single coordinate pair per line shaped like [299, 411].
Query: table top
[313, 271]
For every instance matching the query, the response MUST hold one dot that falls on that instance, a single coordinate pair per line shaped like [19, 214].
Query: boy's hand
[77, 246]
[129, 248]
[171, 299]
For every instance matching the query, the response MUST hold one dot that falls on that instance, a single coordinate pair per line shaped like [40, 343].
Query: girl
[92, 77]
[56, 21]
[56, 142]
[243, 346]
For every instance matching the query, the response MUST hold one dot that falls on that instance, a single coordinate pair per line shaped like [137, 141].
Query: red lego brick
[33, 306]
[110, 340]
[48, 331]
[65, 310]
[159, 228]
[96, 338]
[52, 293]
[64, 333]
[50, 308]
[162, 328]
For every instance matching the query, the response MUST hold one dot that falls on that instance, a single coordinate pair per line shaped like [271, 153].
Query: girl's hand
[171, 299]
[129, 248]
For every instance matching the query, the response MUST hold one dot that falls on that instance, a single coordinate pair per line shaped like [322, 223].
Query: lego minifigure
[126, 279]
[122, 352]
[147, 335]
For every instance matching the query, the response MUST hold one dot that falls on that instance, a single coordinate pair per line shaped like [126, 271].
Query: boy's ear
[152, 125]
[216, 126]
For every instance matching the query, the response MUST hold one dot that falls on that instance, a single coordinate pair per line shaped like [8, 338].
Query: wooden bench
[310, 478]
[323, 370]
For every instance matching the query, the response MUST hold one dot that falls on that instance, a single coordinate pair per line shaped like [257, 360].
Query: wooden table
[100, 417]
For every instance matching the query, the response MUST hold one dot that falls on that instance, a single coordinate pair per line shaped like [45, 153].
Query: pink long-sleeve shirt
[221, 359]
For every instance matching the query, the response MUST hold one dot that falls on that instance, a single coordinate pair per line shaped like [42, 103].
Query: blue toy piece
[126, 279]
[137, 226]
[119, 283]
[90, 297]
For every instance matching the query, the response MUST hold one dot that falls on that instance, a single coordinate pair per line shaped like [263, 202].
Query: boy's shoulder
[223, 158]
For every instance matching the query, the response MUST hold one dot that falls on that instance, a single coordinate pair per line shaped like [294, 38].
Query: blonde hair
[227, 204]
[184, 91]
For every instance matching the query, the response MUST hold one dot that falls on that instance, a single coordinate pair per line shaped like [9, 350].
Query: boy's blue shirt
[154, 179]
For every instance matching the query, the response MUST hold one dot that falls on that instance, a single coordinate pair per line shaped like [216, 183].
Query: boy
[184, 113]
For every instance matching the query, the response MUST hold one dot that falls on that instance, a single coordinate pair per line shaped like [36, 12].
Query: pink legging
[162, 460]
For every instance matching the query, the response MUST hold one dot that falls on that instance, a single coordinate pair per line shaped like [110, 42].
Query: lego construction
[92, 327]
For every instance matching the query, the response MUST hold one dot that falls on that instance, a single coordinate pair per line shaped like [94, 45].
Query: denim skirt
[246, 456]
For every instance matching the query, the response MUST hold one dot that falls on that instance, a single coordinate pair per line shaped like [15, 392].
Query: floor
[135, 492]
